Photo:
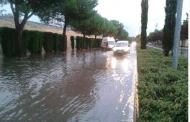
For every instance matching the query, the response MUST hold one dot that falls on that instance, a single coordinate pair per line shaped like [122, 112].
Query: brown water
[78, 86]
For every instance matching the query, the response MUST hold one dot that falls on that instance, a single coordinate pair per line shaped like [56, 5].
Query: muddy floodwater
[90, 86]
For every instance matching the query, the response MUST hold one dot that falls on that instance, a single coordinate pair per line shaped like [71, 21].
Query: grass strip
[163, 91]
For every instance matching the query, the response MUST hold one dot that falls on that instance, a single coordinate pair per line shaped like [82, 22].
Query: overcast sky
[128, 12]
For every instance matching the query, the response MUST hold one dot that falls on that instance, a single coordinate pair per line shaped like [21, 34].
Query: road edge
[136, 91]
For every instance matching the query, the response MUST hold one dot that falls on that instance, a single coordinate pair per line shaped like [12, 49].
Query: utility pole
[177, 34]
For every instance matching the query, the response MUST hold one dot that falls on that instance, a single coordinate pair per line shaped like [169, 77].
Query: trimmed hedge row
[163, 92]
[89, 43]
[72, 42]
[9, 42]
[32, 41]
[35, 41]
[48, 42]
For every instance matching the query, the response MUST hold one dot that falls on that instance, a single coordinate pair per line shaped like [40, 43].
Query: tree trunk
[95, 41]
[20, 52]
[63, 43]
[84, 42]
[166, 53]
[19, 29]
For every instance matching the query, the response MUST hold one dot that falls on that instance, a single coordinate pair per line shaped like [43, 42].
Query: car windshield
[121, 44]
[111, 42]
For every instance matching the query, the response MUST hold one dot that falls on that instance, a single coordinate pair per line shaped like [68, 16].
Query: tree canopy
[155, 36]
[184, 29]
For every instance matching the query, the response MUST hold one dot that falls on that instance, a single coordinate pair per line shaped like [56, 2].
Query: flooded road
[91, 86]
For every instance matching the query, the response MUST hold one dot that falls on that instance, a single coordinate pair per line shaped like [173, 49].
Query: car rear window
[121, 44]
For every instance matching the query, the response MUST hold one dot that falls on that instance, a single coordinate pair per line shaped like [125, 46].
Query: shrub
[77, 42]
[87, 43]
[35, 40]
[55, 42]
[48, 42]
[91, 44]
[163, 91]
[65, 43]
[9, 42]
[26, 38]
[72, 41]
[81, 42]
[98, 43]
[60, 43]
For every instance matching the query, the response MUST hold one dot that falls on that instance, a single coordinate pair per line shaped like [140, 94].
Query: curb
[136, 92]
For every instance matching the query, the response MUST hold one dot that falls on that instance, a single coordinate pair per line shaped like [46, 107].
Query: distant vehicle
[121, 47]
[107, 43]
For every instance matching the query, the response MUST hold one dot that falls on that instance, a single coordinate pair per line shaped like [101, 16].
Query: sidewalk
[183, 52]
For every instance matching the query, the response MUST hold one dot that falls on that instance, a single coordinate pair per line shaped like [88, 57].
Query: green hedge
[72, 42]
[98, 43]
[79, 42]
[32, 40]
[35, 41]
[48, 42]
[55, 42]
[90, 43]
[82, 42]
[64, 47]
[26, 38]
[9, 42]
[60, 45]
[163, 92]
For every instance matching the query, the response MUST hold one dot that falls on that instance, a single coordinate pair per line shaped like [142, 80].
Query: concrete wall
[185, 43]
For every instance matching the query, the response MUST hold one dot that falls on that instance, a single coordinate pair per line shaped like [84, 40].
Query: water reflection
[113, 63]
[126, 64]
[89, 85]
[122, 69]
[52, 86]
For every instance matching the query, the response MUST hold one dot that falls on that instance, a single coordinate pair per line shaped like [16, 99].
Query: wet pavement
[183, 52]
[90, 86]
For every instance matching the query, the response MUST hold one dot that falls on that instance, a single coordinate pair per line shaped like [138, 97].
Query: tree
[144, 21]
[122, 34]
[169, 27]
[82, 25]
[95, 25]
[25, 8]
[155, 36]
[70, 10]
[184, 30]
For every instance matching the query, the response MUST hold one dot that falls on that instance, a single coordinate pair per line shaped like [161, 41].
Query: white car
[121, 47]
